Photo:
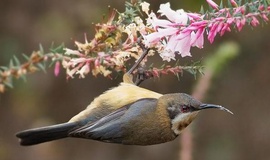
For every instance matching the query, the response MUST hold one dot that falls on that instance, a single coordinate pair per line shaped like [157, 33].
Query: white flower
[83, 71]
[145, 7]
[120, 58]
[130, 29]
[179, 16]
[71, 52]
[76, 61]
[167, 55]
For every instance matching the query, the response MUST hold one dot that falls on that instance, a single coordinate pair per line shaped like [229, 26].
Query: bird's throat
[181, 121]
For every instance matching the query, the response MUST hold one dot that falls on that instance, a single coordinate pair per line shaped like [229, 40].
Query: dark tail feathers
[45, 134]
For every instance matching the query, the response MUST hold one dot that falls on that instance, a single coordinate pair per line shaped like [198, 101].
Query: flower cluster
[114, 44]
[182, 30]
[174, 34]
[33, 63]
[125, 36]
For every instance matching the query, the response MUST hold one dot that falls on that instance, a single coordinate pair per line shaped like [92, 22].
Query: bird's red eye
[185, 108]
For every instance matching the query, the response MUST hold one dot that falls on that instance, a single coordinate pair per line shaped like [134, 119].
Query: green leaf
[178, 77]
[58, 49]
[17, 62]
[202, 10]
[239, 2]
[266, 3]
[128, 4]
[45, 65]
[23, 77]
[210, 8]
[8, 83]
[25, 56]
[42, 67]
[190, 70]
[151, 66]
[201, 69]
[177, 63]
[253, 8]
[162, 67]
[53, 62]
[11, 64]
[221, 4]
[41, 49]
[4, 68]
[188, 21]
[229, 4]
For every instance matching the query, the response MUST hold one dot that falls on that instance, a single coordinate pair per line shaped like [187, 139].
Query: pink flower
[195, 16]
[261, 8]
[213, 32]
[57, 68]
[212, 4]
[156, 36]
[234, 4]
[197, 38]
[264, 17]
[254, 22]
[225, 28]
[184, 44]
[180, 44]
[240, 23]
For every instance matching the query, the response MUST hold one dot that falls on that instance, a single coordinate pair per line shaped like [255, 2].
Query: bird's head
[182, 109]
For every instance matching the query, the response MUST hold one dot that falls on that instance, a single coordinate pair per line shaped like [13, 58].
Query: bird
[126, 114]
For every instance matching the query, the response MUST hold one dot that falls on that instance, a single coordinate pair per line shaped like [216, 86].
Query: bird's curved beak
[208, 106]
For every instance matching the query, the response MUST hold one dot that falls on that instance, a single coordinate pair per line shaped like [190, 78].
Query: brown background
[44, 99]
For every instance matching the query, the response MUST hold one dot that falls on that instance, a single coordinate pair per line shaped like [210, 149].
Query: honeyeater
[126, 114]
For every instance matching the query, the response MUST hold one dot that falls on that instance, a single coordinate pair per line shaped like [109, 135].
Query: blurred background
[243, 87]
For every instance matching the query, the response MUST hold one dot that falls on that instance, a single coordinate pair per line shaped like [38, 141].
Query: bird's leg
[141, 76]
[128, 77]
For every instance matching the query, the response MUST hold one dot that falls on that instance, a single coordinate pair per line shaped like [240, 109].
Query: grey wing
[109, 128]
